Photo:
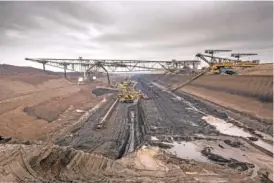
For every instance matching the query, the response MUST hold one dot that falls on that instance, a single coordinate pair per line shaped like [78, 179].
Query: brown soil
[46, 107]
[249, 94]
[49, 110]
[45, 162]
[31, 103]
[262, 69]
[6, 69]
[21, 84]
[246, 105]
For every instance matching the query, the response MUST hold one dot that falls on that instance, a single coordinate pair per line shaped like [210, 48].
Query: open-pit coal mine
[164, 136]
[136, 92]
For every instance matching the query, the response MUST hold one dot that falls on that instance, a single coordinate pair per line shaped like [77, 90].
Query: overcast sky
[133, 30]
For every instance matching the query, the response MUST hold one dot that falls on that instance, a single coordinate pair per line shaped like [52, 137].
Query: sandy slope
[262, 69]
[50, 163]
[32, 100]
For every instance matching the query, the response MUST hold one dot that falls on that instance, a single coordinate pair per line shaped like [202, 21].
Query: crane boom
[216, 51]
[210, 62]
[238, 55]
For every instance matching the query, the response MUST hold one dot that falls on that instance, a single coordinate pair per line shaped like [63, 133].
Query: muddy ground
[48, 163]
[166, 137]
[110, 140]
[103, 91]
[249, 94]
[188, 128]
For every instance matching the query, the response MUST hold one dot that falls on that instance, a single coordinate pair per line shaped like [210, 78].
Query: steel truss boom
[214, 59]
[111, 65]
[238, 55]
[212, 52]
[233, 62]
[82, 65]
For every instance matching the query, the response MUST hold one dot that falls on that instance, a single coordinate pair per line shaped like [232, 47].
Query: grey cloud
[236, 18]
[22, 14]
[134, 29]
[40, 23]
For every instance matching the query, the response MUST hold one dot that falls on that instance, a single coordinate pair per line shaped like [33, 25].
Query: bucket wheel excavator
[219, 65]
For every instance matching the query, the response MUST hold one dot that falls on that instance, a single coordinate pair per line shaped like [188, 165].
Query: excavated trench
[121, 133]
[175, 124]
[171, 119]
[160, 120]
[90, 154]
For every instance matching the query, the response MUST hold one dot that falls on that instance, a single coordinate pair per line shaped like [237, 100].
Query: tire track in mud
[114, 140]
[127, 128]
[193, 112]
[190, 120]
[163, 115]
[178, 117]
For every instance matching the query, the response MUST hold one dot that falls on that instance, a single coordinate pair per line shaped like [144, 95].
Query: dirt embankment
[17, 81]
[35, 103]
[247, 93]
[50, 163]
[49, 110]
[262, 70]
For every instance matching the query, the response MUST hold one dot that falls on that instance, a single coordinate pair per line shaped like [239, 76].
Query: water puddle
[154, 127]
[264, 145]
[154, 138]
[264, 135]
[228, 153]
[160, 86]
[226, 128]
[79, 111]
[187, 150]
[232, 130]
[257, 159]
[189, 122]
[221, 125]
[177, 98]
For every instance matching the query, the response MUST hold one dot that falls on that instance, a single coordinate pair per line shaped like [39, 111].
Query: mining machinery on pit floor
[127, 91]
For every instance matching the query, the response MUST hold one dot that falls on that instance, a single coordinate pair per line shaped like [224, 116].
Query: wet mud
[189, 148]
[103, 91]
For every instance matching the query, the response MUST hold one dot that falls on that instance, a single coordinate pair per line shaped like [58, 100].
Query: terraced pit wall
[248, 94]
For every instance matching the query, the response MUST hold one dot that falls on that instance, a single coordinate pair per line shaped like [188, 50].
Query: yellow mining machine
[127, 92]
[125, 85]
[229, 67]
[218, 65]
